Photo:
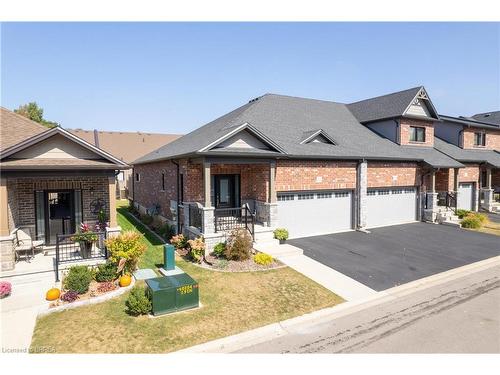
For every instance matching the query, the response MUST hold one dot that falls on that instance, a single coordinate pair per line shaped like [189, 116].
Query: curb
[256, 336]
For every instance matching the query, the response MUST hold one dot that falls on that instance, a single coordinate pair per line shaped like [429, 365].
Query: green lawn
[232, 303]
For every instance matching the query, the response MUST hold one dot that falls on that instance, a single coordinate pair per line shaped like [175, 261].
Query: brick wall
[444, 179]
[492, 139]
[148, 191]
[469, 174]
[404, 132]
[311, 175]
[254, 178]
[495, 178]
[22, 195]
[382, 174]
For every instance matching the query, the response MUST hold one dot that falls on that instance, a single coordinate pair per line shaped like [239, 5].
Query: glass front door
[226, 188]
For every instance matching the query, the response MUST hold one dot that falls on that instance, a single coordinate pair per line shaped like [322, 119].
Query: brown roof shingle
[41, 163]
[15, 128]
[127, 146]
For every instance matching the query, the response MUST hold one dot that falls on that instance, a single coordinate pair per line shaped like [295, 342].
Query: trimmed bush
[461, 213]
[239, 245]
[280, 234]
[263, 259]
[220, 249]
[128, 246]
[471, 221]
[106, 272]
[167, 231]
[179, 241]
[138, 302]
[197, 249]
[78, 279]
[483, 218]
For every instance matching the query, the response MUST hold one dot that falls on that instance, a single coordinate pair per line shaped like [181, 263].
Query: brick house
[314, 167]
[51, 181]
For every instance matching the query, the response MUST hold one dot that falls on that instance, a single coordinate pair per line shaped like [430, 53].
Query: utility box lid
[167, 282]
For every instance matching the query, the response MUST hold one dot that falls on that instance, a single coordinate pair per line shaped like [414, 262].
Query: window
[397, 191]
[324, 195]
[409, 191]
[306, 196]
[342, 194]
[417, 134]
[480, 139]
[383, 192]
[286, 197]
[371, 192]
[137, 177]
[163, 181]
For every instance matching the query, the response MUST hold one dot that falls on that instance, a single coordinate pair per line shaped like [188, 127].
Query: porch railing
[231, 218]
[195, 216]
[447, 199]
[68, 250]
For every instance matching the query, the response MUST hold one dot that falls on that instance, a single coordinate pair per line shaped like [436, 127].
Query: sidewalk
[338, 283]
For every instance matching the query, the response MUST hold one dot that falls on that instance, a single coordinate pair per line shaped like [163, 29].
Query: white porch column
[6, 239]
[455, 185]
[206, 184]
[113, 229]
[208, 211]
[487, 193]
[272, 205]
[430, 212]
[4, 210]
[362, 187]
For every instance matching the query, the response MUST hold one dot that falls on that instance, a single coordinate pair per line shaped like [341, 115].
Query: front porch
[234, 193]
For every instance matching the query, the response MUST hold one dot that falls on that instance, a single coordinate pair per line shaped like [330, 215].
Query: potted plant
[281, 234]
[85, 238]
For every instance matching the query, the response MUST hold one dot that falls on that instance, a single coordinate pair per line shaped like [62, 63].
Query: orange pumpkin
[125, 280]
[52, 294]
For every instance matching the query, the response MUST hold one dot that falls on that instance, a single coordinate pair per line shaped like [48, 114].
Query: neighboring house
[311, 166]
[51, 181]
[126, 146]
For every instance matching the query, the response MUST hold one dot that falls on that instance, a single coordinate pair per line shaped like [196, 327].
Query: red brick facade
[495, 178]
[404, 132]
[382, 174]
[492, 139]
[315, 175]
[445, 178]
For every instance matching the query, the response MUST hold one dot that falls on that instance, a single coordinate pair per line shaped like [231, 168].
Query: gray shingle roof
[472, 156]
[489, 117]
[461, 121]
[284, 120]
[383, 107]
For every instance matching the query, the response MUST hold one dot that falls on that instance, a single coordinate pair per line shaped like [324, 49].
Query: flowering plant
[197, 249]
[5, 289]
[179, 241]
[70, 296]
[85, 234]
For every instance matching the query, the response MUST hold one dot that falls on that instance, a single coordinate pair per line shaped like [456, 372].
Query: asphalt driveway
[395, 255]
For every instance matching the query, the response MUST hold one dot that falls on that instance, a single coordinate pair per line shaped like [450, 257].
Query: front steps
[495, 207]
[446, 216]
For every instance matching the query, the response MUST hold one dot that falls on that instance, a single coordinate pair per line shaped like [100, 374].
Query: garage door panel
[391, 206]
[309, 213]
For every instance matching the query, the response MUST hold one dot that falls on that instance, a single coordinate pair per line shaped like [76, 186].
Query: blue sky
[174, 77]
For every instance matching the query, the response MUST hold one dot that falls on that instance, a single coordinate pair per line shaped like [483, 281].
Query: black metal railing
[447, 199]
[68, 250]
[195, 216]
[226, 219]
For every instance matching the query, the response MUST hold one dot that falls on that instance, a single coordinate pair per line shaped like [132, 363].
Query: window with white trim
[341, 194]
[286, 197]
[417, 134]
[305, 196]
[383, 192]
[479, 139]
[371, 192]
[323, 195]
[397, 191]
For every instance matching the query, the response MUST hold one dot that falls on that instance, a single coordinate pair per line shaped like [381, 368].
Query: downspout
[178, 195]
[398, 135]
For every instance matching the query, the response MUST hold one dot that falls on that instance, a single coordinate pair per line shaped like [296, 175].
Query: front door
[226, 191]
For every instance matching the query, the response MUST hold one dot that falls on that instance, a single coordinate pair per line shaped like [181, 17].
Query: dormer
[317, 136]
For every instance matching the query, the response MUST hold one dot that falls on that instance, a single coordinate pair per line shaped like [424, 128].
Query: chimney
[96, 138]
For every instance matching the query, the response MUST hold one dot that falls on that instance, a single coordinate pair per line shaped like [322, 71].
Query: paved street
[458, 316]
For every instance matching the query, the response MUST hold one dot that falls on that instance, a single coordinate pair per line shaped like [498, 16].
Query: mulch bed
[91, 293]
[222, 264]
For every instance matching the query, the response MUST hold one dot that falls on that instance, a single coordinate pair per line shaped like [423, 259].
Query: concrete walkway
[338, 283]
[19, 311]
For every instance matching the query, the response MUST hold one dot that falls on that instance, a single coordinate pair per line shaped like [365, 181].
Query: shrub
[5, 289]
[128, 246]
[280, 234]
[106, 286]
[179, 241]
[197, 249]
[70, 296]
[483, 218]
[138, 302]
[239, 245]
[263, 259]
[147, 219]
[471, 221]
[461, 213]
[220, 249]
[78, 279]
[167, 231]
[106, 272]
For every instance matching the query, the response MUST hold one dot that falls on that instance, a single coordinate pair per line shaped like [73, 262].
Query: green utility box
[169, 257]
[173, 293]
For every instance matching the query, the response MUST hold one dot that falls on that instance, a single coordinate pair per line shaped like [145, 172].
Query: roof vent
[254, 99]
[487, 115]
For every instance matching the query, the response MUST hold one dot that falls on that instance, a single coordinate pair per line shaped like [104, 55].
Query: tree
[34, 113]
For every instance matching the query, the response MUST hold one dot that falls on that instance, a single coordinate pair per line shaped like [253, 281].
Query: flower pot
[86, 249]
[282, 242]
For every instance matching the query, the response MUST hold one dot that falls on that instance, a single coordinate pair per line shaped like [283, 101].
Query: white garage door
[465, 193]
[312, 213]
[391, 206]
